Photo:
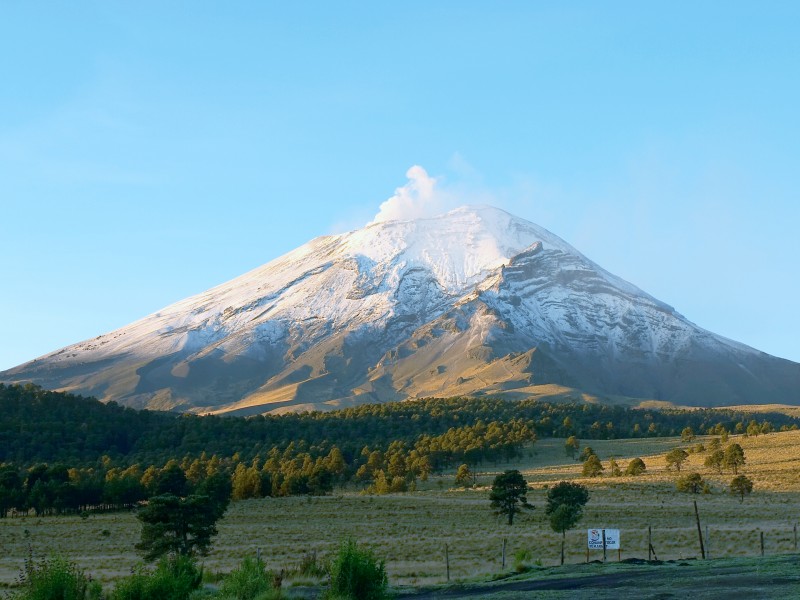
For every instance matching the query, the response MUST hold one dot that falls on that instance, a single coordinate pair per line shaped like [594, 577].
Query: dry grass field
[410, 530]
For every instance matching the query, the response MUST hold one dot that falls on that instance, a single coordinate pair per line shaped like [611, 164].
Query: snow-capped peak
[459, 247]
[471, 301]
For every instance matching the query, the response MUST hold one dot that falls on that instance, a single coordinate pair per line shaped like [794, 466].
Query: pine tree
[509, 494]
[734, 457]
[741, 485]
[176, 525]
[565, 502]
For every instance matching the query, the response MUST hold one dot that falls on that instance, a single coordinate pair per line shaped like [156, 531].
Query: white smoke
[421, 197]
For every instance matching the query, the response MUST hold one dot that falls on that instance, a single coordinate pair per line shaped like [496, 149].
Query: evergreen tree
[592, 467]
[509, 494]
[565, 502]
[464, 476]
[171, 480]
[693, 483]
[171, 524]
[734, 457]
[676, 457]
[715, 460]
[571, 446]
[11, 493]
[741, 485]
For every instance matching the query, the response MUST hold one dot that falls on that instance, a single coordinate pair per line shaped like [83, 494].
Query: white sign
[596, 539]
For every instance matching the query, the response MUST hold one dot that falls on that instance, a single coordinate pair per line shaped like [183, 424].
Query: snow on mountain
[472, 301]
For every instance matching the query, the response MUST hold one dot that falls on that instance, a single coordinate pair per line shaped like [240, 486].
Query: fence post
[699, 531]
[762, 543]
[604, 545]
[447, 560]
[795, 537]
[649, 542]
[504, 553]
[708, 545]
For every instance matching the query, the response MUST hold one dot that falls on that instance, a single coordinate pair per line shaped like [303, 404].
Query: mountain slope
[474, 301]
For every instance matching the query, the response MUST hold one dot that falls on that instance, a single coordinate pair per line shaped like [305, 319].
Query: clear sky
[151, 150]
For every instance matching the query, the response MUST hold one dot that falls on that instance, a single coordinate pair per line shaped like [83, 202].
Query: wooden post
[587, 554]
[699, 531]
[447, 560]
[504, 553]
[258, 554]
[762, 543]
[649, 542]
[619, 554]
[708, 545]
[795, 537]
[604, 545]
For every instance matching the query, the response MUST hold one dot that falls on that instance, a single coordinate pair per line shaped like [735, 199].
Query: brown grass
[411, 530]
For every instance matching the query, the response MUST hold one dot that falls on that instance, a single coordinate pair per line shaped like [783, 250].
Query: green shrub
[521, 560]
[357, 574]
[55, 579]
[636, 467]
[175, 578]
[249, 581]
[133, 587]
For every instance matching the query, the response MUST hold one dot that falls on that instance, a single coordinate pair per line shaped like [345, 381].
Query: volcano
[472, 302]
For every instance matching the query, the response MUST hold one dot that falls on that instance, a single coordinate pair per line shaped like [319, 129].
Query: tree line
[40, 426]
[296, 469]
[65, 453]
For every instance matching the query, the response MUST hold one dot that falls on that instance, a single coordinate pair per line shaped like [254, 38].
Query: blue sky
[151, 150]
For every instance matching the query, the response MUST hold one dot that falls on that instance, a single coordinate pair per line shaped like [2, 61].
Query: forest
[65, 453]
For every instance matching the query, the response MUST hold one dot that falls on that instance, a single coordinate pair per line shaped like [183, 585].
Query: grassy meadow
[410, 530]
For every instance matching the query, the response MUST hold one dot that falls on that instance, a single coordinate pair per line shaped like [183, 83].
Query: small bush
[636, 467]
[692, 483]
[55, 579]
[250, 580]
[521, 560]
[175, 578]
[592, 467]
[357, 574]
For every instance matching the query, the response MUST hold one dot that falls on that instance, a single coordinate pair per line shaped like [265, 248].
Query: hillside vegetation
[65, 454]
[37, 425]
[410, 530]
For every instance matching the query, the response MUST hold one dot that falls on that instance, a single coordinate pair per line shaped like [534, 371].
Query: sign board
[596, 539]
